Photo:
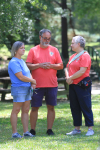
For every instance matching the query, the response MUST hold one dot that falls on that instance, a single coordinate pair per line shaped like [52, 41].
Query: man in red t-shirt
[44, 60]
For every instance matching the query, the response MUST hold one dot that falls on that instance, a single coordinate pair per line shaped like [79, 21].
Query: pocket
[14, 91]
[87, 92]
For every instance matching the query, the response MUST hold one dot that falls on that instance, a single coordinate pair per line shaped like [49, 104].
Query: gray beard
[44, 43]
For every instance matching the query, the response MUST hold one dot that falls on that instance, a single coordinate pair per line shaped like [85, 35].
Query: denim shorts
[21, 94]
[50, 96]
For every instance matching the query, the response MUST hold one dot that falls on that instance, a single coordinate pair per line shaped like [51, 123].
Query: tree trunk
[37, 26]
[64, 27]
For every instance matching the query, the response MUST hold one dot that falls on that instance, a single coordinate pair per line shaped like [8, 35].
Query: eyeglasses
[73, 43]
[46, 38]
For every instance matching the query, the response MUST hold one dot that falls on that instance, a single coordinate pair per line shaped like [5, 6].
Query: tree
[88, 8]
[64, 26]
[86, 15]
[10, 21]
[36, 15]
[13, 23]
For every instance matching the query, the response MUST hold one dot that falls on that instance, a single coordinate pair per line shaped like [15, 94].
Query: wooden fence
[95, 57]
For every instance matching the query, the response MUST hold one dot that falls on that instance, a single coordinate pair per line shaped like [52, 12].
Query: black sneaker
[50, 132]
[32, 131]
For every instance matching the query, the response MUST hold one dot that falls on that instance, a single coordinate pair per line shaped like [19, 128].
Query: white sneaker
[89, 132]
[28, 134]
[74, 132]
[16, 135]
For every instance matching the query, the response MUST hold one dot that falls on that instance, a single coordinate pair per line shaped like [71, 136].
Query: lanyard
[76, 56]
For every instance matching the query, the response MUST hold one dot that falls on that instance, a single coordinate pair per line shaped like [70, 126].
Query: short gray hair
[44, 31]
[79, 39]
[15, 47]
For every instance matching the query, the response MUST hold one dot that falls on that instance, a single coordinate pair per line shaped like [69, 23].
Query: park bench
[65, 89]
[5, 82]
[4, 90]
[62, 81]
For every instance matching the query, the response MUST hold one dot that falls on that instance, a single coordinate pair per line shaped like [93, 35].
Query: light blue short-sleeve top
[18, 65]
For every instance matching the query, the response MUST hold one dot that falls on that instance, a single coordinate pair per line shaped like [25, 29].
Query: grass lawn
[63, 123]
[5, 53]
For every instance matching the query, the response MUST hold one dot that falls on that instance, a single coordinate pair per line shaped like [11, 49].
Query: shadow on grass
[5, 105]
[60, 105]
[60, 127]
[63, 123]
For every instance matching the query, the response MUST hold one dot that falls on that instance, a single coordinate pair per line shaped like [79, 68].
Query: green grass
[93, 44]
[63, 123]
[5, 53]
[27, 48]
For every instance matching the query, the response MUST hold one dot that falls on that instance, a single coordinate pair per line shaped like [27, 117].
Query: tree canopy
[22, 19]
[90, 8]
[11, 20]
[14, 23]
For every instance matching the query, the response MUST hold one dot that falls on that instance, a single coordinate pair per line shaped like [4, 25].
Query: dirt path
[96, 88]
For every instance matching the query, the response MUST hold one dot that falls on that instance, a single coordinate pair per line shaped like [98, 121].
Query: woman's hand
[33, 86]
[69, 80]
[33, 81]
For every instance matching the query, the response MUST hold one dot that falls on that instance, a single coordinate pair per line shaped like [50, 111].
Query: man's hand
[46, 65]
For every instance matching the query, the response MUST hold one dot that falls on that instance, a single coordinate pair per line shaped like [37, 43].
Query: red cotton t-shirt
[44, 77]
[83, 61]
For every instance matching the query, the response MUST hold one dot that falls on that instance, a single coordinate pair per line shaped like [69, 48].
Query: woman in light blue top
[21, 83]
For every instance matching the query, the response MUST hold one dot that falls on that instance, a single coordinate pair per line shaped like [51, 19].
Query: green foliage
[14, 23]
[22, 19]
[11, 21]
[38, 15]
[39, 4]
[63, 123]
[90, 25]
[86, 15]
[90, 8]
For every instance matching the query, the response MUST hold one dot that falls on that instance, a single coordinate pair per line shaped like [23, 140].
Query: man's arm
[46, 65]
[58, 66]
[32, 66]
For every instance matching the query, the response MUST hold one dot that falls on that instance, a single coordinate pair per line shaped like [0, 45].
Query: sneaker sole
[17, 137]
[73, 134]
[28, 136]
[90, 135]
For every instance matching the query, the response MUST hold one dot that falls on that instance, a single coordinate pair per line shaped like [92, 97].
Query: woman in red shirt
[77, 69]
